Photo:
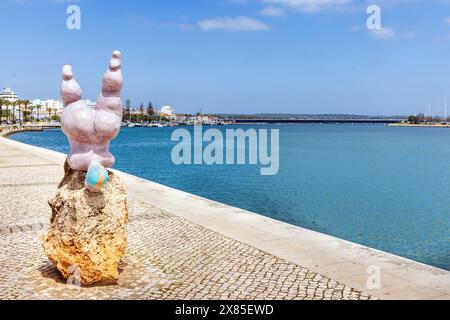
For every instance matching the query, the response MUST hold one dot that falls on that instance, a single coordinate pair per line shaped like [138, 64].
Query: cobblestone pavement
[167, 257]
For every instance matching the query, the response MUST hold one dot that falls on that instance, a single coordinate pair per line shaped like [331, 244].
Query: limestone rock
[87, 230]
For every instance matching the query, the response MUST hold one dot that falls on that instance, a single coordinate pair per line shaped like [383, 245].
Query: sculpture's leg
[77, 121]
[109, 98]
[107, 122]
[70, 89]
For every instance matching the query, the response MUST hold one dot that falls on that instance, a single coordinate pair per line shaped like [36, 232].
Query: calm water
[384, 187]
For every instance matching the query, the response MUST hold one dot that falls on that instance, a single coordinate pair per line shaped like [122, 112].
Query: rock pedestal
[87, 233]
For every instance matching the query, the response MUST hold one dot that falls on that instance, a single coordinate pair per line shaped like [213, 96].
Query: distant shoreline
[420, 125]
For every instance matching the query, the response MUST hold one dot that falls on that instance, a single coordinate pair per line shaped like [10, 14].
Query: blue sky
[237, 56]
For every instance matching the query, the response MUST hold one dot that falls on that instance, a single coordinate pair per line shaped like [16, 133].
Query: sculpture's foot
[70, 89]
[112, 80]
[96, 177]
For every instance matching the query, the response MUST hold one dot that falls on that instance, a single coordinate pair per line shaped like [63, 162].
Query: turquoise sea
[384, 187]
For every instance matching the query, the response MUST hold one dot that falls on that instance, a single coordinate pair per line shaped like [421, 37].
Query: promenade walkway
[169, 256]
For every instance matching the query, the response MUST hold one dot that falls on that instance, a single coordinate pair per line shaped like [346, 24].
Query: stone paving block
[25, 204]
[23, 160]
[42, 174]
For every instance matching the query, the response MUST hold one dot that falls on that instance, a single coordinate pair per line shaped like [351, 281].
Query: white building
[47, 104]
[8, 94]
[167, 111]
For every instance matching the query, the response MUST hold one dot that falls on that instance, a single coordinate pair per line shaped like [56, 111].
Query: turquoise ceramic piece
[96, 177]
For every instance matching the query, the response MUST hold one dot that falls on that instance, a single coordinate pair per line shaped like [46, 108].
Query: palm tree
[150, 112]
[141, 111]
[2, 102]
[7, 103]
[19, 104]
[38, 108]
[31, 113]
[22, 109]
[14, 103]
[50, 110]
[55, 115]
[128, 108]
[25, 103]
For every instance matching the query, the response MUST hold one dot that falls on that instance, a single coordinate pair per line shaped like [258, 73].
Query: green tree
[141, 111]
[7, 104]
[2, 102]
[14, 104]
[19, 107]
[31, 113]
[421, 118]
[150, 112]
[50, 110]
[55, 115]
[26, 114]
[38, 108]
[25, 104]
[127, 109]
[413, 119]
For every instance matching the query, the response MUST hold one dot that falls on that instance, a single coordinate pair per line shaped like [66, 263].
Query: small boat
[131, 125]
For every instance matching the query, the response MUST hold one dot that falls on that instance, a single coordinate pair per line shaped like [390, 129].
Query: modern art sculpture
[87, 236]
[90, 131]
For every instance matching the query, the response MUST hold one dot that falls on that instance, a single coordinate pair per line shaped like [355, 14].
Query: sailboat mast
[445, 109]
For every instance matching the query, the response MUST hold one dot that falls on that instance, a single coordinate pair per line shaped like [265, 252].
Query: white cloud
[233, 24]
[185, 26]
[356, 28]
[272, 12]
[65, 1]
[311, 6]
[447, 20]
[384, 33]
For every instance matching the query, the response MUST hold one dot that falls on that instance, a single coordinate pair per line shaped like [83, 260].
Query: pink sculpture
[90, 130]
